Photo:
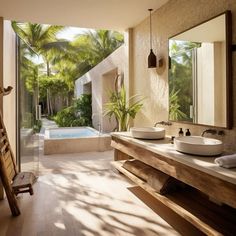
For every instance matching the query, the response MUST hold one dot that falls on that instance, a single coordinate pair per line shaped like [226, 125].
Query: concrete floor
[80, 194]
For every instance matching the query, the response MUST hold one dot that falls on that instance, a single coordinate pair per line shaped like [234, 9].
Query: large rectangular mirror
[200, 74]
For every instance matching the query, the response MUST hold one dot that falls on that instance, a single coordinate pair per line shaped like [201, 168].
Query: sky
[70, 32]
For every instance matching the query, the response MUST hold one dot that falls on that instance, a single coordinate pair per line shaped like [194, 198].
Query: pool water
[72, 133]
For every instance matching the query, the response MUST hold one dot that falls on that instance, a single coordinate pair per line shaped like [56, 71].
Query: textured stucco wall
[7, 77]
[1, 82]
[172, 18]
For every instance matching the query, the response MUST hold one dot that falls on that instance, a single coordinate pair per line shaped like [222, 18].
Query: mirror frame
[229, 84]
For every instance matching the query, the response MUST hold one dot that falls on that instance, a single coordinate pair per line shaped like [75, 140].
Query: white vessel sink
[148, 132]
[198, 145]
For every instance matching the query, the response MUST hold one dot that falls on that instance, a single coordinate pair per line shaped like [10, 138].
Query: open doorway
[49, 63]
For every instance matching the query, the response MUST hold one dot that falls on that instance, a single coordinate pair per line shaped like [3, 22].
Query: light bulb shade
[152, 60]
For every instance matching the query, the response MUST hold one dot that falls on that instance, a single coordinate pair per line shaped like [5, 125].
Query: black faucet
[163, 123]
[209, 131]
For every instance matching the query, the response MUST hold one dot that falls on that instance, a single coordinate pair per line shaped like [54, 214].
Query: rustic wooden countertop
[165, 148]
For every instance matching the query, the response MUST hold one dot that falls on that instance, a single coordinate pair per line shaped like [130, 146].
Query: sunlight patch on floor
[80, 194]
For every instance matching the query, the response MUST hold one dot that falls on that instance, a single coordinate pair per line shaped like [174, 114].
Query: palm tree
[29, 82]
[86, 51]
[42, 40]
[95, 45]
[64, 60]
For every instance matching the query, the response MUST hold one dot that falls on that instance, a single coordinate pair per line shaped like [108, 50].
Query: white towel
[226, 161]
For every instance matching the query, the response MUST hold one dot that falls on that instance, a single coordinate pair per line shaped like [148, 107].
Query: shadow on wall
[109, 80]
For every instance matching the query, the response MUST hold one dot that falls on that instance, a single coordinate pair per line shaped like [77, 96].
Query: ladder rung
[3, 138]
[2, 131]
[3, 149]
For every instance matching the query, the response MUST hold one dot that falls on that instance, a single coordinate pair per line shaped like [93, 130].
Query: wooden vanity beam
[213, 186]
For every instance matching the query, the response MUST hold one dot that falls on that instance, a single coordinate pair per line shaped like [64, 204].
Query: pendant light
[152, 60]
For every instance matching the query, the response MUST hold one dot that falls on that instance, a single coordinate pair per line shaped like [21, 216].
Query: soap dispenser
[187, 132]
[181, 132]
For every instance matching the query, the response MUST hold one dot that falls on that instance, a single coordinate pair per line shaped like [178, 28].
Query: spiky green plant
[123, 109]
[175, 113]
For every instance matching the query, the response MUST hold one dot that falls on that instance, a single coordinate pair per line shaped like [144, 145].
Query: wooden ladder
[14, 182]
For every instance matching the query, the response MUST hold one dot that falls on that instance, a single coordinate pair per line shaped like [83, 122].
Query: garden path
[47, 124]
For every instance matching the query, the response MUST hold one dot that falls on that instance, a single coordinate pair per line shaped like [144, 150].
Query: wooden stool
[23, 182]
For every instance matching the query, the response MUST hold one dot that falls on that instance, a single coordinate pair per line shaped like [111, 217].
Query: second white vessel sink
[197, 145]
[148, 132]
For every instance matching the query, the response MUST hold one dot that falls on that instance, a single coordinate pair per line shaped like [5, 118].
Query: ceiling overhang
[98, 14]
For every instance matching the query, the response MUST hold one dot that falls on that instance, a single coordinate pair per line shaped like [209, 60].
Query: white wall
[9, 79]
[205, 84]
[220, 83]
[210, 81]
[108, 85]
[79, 84]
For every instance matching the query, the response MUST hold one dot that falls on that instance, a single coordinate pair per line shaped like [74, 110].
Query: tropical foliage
[83, 108]
[40, 42]
[122, 109]
[94, 46]
[175, 112]
[49, 66]
[79, 114]
[181, 79]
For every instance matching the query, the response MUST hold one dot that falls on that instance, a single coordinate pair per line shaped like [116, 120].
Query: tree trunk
[48, 105]
[35, 90]
[70, 96]
[48, 90]
[48, 68]
[51, 104]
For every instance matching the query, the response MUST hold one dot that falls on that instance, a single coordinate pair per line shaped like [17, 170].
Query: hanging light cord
[150, 10]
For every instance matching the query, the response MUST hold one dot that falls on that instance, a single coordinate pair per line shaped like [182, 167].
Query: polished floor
[80, 194]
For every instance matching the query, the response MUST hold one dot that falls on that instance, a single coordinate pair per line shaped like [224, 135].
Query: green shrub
[65, 117]
[83, 107]
[80, 114]
[37, 126]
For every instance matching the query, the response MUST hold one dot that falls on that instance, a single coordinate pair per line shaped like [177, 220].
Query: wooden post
[1, 191]
[119, 156]
[8, 189]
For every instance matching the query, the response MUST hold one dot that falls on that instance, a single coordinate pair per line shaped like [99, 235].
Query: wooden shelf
[193, 206]
[182, 167]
